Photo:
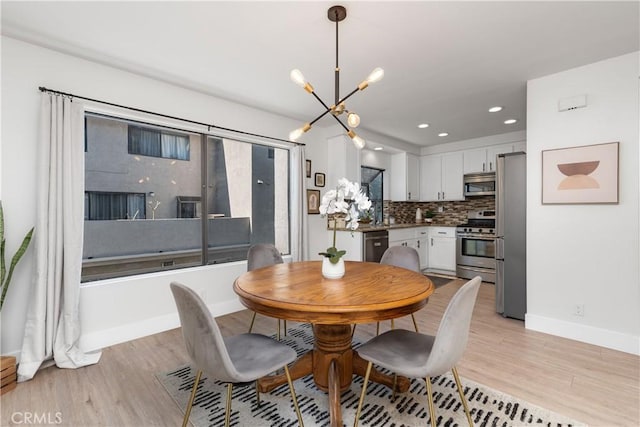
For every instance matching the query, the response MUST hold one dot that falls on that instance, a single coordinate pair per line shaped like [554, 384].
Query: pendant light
[335, 14]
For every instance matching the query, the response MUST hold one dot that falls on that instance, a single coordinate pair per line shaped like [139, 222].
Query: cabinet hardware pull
[377, 244]
[483, 167]
[432, 241]
[418, 244]
[490, 166]
[442, 232]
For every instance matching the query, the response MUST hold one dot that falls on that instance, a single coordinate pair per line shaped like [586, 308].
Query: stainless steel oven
[476, 247]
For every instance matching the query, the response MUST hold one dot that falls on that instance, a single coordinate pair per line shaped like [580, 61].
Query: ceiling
[445, 63]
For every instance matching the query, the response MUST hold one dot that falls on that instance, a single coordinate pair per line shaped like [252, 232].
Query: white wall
[585, 254]
[114, 310]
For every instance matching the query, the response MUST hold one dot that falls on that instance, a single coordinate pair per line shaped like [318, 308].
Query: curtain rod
[139, 110]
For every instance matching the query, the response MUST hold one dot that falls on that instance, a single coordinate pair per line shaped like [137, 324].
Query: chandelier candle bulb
[297, 133]
[353, 120]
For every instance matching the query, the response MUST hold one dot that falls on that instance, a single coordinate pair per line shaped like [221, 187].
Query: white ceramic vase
[332, 271]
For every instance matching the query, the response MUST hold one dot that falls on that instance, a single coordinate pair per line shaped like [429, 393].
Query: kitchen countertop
[363, 228]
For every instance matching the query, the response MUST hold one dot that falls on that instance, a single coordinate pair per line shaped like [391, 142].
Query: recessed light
[495, 109]
[378, 149]
[443, 134]
[423, 125]
[510, 121]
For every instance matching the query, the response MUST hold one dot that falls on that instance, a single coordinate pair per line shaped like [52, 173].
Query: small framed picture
[319, 178]
[313, 202]
[308, 168]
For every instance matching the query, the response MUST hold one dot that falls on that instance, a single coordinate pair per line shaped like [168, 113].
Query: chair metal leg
[278, 334]
[377, 328]
[353, 331]
[293, 395]
[253, 319]
[415, 324]
[187, 411]
[227, 414]
[461, 393]
[285, 327]
[258, 394]
[364, 390]
[392, 325]
[432, 411]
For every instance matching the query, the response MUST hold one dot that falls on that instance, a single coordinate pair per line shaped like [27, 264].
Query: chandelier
[335, 14]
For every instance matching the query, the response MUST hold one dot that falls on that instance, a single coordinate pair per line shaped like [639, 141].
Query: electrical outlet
[578, 310]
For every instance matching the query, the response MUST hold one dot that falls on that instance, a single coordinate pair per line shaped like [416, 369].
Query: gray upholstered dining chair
[263, 255]
[416, 355]
[404, 257]
[237, 359]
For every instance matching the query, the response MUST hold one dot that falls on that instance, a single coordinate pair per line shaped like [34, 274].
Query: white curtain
[299, 223]
[52, 329]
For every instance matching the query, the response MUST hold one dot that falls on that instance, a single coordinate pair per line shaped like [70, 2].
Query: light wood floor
[591, 384]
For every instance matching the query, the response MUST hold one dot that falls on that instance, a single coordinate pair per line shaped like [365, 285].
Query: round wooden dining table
[368, 292]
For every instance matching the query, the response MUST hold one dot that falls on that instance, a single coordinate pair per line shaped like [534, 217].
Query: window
[148, 211]
[155, 143]
[109, 206]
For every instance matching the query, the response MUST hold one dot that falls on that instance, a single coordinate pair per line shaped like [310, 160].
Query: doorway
[371, 181]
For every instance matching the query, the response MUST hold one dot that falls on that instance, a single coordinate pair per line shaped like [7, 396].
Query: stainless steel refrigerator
[511, 235]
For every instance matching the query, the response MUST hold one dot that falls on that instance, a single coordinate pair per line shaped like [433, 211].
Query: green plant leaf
[5, 281]
[336, 257]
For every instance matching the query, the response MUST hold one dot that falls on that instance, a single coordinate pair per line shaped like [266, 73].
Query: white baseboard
[131, 331]
[584, 333]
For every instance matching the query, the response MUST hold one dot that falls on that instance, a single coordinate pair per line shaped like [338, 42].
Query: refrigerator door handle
[499, 287]
[500, 196]
[500, 248]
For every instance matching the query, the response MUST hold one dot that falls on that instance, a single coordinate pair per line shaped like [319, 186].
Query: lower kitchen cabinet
[422, 246]
[442, 249]
[416, 238]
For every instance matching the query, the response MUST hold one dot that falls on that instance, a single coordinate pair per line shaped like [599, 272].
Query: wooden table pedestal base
[332, 363]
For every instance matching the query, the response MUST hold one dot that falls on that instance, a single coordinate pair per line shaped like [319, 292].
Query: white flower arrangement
[347, 198]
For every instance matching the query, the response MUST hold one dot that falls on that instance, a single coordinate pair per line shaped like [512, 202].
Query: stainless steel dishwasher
[374, 244]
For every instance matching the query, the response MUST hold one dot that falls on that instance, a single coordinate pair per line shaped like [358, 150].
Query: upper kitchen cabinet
[484, 159]
[405, 177]
[344, 161]
[441, 177]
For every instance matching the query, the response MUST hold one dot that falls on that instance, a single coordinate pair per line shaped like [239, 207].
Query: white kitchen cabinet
[441, 177]
[442, 249]
[422, 246]
[484, 159]
[416, 238]
[405, 179]
[344, 161]
[402, 237]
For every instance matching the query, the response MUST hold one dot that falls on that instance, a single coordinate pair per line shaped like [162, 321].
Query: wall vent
[572, 103]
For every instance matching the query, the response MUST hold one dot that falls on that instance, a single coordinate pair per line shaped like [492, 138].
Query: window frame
[167, 258]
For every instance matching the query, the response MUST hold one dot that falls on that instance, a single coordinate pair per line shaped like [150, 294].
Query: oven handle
[476, 236]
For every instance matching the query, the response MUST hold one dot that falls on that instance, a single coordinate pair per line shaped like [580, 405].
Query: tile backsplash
[454, 212]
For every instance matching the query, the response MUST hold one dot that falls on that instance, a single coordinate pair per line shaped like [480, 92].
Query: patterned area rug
[488, 407]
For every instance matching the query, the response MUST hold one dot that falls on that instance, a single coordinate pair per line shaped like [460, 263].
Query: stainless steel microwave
[480, 184]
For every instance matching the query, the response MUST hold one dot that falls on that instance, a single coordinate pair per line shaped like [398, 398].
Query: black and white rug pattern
[488, 407]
